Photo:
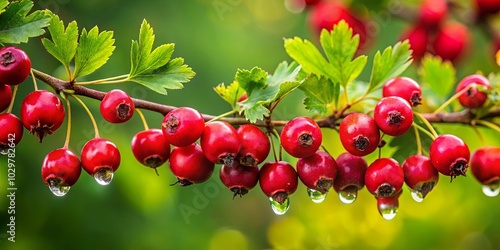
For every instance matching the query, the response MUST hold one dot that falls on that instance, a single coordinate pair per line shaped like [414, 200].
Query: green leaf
[170, 76]
[64, 42]
[230, 93]
[319, 101]
[438, 75]
[94, 50]
[308, 56]
[389, 64]
[286, 77]
[16, 26]
[3, 4]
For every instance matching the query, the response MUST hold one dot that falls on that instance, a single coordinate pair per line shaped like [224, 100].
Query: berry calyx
[433, 12]
[393, 115]
[220, 142]
[449, 155]
[278, 180]
[11, 132]
[350, 178]
[485, 165]
[150, 148]
[60, 170]
[15, 65]
[255, 145]
[190, 165]
[42, 113]
[239, 179]
[403, 87]
[317, 171]
[420, 176]
[473, 97]
[5, 96]
[452, 41]
[301, 137]
[100, 158]
[384, 177]
[359, 134]
[117, 106]
[182, 126]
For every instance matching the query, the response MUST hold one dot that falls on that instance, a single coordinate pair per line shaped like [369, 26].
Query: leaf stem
[110, 80]
[92, 119]
[429, 126]
[143, 119]
[451, 99]
[14, 93]
[68, 130]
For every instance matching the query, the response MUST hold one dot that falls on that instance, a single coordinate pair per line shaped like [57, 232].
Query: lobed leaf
[438, 75]
[319, 101]
[230, 93]
[16, 26]
[94, 50]
[64, 40]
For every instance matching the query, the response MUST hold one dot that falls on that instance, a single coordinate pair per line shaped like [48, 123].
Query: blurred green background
[139, 210]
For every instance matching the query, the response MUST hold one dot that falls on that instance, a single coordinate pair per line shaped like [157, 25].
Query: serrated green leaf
[286, 76]
[438, 75]
[230, 93]
[318, 101]
[250, 80]
[389, 64]
[94, 50]
[170, 76]
[16, 26]
[64, 41]
[308, 56]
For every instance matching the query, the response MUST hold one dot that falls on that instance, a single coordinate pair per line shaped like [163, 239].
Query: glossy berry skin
[432, 12]
[42, 113]
[182, 126]
[393, 115]
[418, 37]
[485, 164]
[403, 87]
[359, 134]
[301, 137]
[220, 142]
[150, 148]
[61, 167]
[487, 7]
[317, 171]
[98, 154]
[117, 106]
[473, 97]
[384, 177]
[420, 175]
[190, 165]
[351, 171]
[11, 131]
[449, 155]
[239, 179]
[5, 96]
[15, 65]
[452, 41]
[278, 180]
[255, 145]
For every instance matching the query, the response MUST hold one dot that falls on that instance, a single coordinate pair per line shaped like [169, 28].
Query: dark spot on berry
[153, 161]
[361, 142]
[123, 111]
[395, 118]
[305, 139]
[227, 160]
[459, 167]
[41, 130]
[385, 190]
[7, 58]
[182, 182]
[171, 124]
[239, 191]
[280, 197]
[416, 99]
[323, 185]
[426, 188]
[248, 161]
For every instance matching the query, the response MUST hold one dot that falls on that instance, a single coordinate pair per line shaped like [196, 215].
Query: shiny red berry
[301, 137]
[150, 148]
[418, 37]
[350, 178]
[393, 115]
[183, 126]
[278, 180]
[384, 177]
[317, 171]
[449, 155]
[405, 88]
[239, 179]
[255, 145]
[486, 7]
[15, 65]
[42, 113]
[433, 12]
[5, 96]
[190, 165]
[100, 158]
[60, 170]
[359, 134]
[220, 142]
[117, 106]
[485, 165]
[452, 41]
[473, 97]
[11, 132]
[420, 176]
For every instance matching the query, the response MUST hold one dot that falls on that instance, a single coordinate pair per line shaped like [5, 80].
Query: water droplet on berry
[491, 190]
[104, 176]
[417, 196]
[316, 196]
[348, 196]
[388, 212]
[278, 208]
[58, 190]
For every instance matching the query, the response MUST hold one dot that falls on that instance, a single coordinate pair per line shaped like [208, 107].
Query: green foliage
[94, 50]
[230, 93]
[319, 101]
[16, 26]
[64, 41]
[438, 75]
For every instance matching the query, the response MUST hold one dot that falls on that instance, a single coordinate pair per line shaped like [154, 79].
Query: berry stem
[478, 133]
[14, 92]
[94, 123]
[143, 119]
[68, 130]
[221, 116]
[427, 123]
[34, 80]
[110, 80]
[489, 125]
[418, 139]
[451, 99]
[425, 131]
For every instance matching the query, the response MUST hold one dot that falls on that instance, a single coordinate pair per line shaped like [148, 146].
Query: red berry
[487, 7]
[117, 106]
[60, 170]
[190, 165]
[359, 134]
[485, 164]
[393, 115]
[220, 142]
[301, 137]
[5, 96]
[255, 145]
[452, 41]
[405, 88]
[433, 12]
[278, 180]
[449, 155]
[388, 206]
[239, 179]
[317, 171]
[420, 175]
[418, 37]
[100, 158]
[151, 148]
[384, 177]
[243, 97]
[183, 126]
[15, 65]
[42, 113]
[350, 178]
[11, 132]
[473, 97]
